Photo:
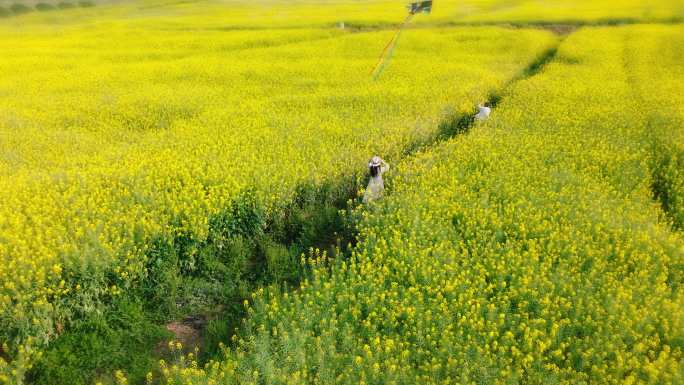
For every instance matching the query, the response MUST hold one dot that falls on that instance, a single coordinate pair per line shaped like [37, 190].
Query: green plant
[65, 5]
[101, 343]
[18, 8]
[45, 7]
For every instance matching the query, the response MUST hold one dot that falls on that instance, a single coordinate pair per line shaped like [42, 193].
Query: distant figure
[483, 111]
[376, 187]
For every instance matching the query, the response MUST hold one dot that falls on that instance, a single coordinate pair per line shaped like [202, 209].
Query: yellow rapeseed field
[222, 14]
[106, 150]
[543, 246]
[527, 251]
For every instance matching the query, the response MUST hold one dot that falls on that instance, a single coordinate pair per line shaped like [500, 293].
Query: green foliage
[186, 275]
[219, 331]
[45, 7]
[65, 5]
[97, 345]
[668, 181]
[163, 282]
[456, 126]
[19, 8]
[278, 262]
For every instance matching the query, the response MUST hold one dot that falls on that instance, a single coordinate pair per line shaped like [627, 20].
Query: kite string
[389, 47]
[387, 59]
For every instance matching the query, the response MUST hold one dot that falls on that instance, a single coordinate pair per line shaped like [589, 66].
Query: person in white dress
[376, 186]
[483, 111]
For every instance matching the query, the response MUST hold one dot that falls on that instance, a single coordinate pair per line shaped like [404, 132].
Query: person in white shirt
[376, 186]
[483, 111]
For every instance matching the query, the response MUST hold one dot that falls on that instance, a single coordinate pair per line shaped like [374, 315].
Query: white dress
[376, 187]
[483, 112]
